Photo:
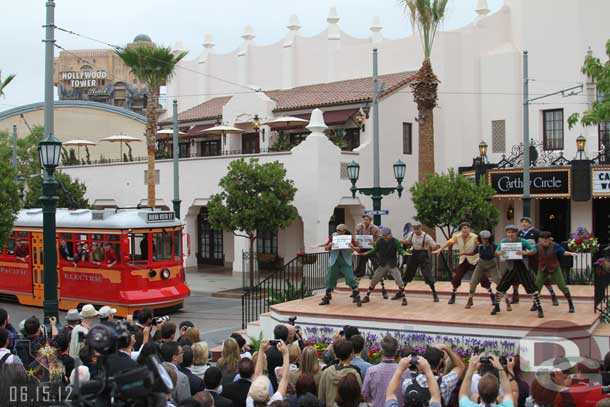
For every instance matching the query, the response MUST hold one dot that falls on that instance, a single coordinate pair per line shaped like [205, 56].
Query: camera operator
[435, 355]
[412, 397]
[489, 385]
[144, 321]
[183, 328]
[121, 360]
[171, 355]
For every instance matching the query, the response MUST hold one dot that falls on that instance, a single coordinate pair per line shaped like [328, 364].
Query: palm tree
[5, 82]
[426, 15]
[153, 65]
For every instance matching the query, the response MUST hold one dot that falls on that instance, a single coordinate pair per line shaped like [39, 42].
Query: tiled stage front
[422, 315]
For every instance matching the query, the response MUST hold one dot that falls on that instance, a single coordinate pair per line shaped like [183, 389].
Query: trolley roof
[110, 218]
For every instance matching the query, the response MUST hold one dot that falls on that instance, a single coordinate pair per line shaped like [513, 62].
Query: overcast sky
[118, 21]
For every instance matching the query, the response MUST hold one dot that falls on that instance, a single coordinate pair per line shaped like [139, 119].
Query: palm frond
[4, 83]
[426, 16]
[153, 65]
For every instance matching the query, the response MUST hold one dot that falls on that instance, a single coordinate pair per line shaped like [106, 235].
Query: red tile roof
[346, 92]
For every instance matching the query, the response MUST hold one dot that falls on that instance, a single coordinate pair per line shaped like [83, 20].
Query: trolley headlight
[152, 273]
[165, 274]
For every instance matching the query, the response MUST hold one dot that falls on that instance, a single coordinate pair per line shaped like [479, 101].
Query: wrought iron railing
[295, 280]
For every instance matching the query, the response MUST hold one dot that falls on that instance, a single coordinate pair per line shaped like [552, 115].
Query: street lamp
[49, 152]
[483, 151]
[256, 122]
[376, 193]
[580, 146]
[359, 118]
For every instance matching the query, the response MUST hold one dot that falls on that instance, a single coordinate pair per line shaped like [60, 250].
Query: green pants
[340, 267]
[555, 277]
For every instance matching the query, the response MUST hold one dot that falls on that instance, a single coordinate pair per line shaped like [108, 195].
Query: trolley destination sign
[552, 183]
[153, 217]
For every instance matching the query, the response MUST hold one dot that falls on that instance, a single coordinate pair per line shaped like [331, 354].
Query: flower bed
[582, 241]
[464, 346]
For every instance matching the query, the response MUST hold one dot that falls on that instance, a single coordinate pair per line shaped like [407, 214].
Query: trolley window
[138, 248]
[162, 246]
[17, 245]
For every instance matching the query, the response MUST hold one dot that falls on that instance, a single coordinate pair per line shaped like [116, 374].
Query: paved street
[216, 318]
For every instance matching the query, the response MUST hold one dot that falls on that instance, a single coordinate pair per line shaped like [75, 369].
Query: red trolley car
[126, 258]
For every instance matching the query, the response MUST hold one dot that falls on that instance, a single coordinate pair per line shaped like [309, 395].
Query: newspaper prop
[341, 242]
[365, 241]
[510, 250]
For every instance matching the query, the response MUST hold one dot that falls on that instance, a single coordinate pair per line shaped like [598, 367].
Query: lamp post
[580, 147]
[376, 192]
[176, 201]
[49, 152]
[480, 162]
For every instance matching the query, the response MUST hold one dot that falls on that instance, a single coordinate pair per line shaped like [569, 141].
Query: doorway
[210, 243]
[554, 215]
[337, 219]
[601, 220]
[250, 143]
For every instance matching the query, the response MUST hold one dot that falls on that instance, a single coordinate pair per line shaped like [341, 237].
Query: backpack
[417, 395]
[4, 358]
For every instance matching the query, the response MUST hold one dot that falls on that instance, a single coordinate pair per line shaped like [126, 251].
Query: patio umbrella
[79, 144]
[169, 132]
[223, 130]
[121, 138]
[287, 121]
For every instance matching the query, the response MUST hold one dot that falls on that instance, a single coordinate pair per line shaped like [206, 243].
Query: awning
[197, 131]
[332, 117]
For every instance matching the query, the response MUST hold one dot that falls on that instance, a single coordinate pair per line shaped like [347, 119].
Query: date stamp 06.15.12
[40, 395]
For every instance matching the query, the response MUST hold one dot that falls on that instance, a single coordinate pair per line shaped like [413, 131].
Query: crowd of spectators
[283, 371]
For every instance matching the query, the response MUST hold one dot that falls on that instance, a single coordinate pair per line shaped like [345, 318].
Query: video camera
[158, 320]
[142, 386]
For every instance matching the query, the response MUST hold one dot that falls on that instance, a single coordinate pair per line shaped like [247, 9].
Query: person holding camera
[88, 317]
[414, 397]
[489, 385]
[259, 394]
[435, 355]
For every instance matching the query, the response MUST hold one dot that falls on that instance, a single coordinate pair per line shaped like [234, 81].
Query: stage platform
[441, 320]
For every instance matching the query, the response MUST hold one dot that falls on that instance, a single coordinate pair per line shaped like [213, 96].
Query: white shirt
[276, 396]
[13, 359]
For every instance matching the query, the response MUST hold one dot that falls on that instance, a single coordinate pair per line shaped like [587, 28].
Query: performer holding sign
[511, 250]
[341, 244]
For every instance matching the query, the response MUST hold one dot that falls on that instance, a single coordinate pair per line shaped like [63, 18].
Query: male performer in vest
[466, 242]
[516, 270]
[422, 243]
[340, 261]
[486, 267]
[548, 265]
[367, 228]
[387, 250]
[532, 234]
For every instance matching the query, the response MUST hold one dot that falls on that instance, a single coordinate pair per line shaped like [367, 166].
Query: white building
[480, 98]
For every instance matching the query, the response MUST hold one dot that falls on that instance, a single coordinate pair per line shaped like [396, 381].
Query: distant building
[101, 76]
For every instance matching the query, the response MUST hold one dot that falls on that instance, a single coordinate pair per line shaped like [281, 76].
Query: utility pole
[49, 154]
[527, 200]
[376, 197]
[176, 201]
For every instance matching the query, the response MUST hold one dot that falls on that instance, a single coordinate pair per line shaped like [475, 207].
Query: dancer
[367, 228]
[387, 249]
[422, 244]
[487, 266]
[549, 268]
[532, 234]
[340, 261]
[517, 271]
[466, 242]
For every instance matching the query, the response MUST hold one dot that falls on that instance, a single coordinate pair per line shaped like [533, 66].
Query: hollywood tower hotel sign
[83, 79]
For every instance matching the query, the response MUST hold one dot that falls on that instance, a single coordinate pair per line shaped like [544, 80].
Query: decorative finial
[333, 16]
[293, 23]
[376, 30]
[248, 33]
[316, 122]
[482, 8]
[208, 41]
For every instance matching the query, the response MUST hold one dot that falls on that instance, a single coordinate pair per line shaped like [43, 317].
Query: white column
[334, 43]
[482, 9]
[243, 58]
[289, 54]
[240, 245]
